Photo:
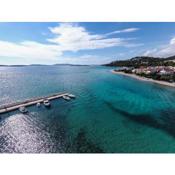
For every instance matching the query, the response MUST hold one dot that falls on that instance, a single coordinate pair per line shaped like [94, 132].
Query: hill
[144, 61]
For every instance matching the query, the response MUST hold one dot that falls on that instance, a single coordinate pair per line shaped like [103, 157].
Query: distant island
[158, 70]
[23, 65]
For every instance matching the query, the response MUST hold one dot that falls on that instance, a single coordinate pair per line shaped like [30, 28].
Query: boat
[38, 104]
[46, 103]
[23, 110]
[66, 98]
[71, 95]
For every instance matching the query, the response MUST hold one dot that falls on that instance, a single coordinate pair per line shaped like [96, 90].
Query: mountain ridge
[144, 61]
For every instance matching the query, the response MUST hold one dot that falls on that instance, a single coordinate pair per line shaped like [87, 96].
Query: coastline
[145, 79]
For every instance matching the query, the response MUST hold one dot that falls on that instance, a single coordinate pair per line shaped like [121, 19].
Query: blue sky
[83, 43]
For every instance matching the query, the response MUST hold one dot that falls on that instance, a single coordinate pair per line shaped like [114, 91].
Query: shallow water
[111, 114]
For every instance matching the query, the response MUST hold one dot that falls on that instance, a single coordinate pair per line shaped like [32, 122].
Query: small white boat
[46, 103]
[38, 104]
[66, 98]
[23, 110]
[71, 95]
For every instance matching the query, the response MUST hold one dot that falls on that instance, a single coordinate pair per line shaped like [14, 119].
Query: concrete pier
[29, 102]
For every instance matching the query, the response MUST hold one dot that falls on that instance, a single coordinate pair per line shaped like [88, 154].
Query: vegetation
[136, 62]
[154, 76]
[166, 77]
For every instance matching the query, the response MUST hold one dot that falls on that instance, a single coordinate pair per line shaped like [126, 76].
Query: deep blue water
[111, 114]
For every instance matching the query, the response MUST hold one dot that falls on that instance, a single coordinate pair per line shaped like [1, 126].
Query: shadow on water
[81, 144]
[165, 122]
[58, 130]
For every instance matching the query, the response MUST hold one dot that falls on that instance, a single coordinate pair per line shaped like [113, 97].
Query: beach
[145, 79]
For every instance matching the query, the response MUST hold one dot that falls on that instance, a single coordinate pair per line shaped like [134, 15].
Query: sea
[110, 114]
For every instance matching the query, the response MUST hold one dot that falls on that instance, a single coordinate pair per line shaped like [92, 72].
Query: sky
[83, 43]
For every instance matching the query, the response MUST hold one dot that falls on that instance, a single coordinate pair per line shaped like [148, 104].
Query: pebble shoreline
[145, 79]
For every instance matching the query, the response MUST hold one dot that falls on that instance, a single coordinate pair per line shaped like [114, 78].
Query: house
[162, 72]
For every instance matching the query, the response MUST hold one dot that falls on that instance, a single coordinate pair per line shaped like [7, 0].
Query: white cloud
[128, 30]
[28, 49]
[172, 41]
[71, 37]
[67, 37]
[86, 60]
[163, 51]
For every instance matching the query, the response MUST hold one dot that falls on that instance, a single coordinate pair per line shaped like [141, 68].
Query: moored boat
[38, 104]
[71, 95]
[66, 98]
[46, 103]
[23, 110]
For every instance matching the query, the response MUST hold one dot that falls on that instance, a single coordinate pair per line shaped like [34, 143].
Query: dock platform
[29, 102]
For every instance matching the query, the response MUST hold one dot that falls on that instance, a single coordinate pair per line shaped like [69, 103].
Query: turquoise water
[111, 114]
